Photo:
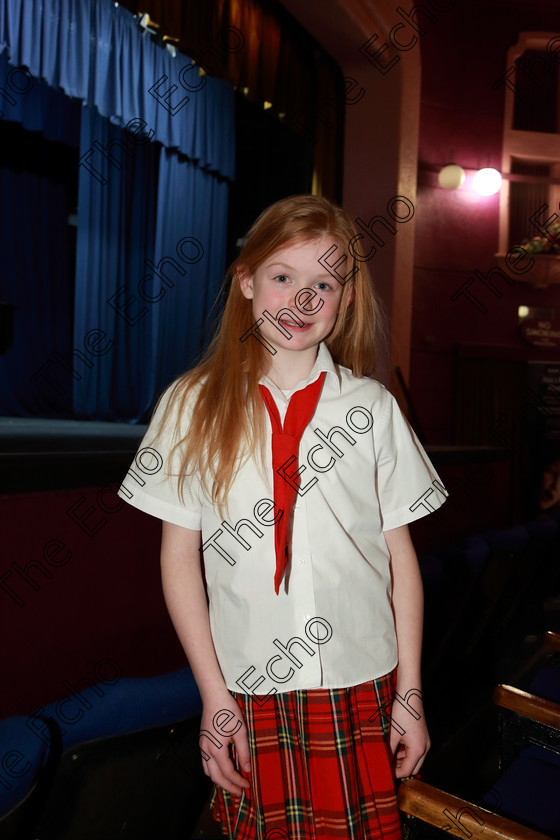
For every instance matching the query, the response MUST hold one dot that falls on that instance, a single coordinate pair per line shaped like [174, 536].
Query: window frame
[530, 146]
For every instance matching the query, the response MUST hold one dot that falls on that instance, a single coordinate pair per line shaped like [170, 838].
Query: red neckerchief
[285, 447]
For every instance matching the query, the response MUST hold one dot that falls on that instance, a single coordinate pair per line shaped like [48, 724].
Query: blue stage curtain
[36, 106]
[94, 51]
[139, 201]
[192, 204]
[35, 275]
[116, 230]
[145, 285]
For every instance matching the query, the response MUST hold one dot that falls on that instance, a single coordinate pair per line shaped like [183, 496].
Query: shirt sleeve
[152, 481]
[408, 486]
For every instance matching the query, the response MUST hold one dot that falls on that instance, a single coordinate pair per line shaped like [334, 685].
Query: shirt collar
[323, 362]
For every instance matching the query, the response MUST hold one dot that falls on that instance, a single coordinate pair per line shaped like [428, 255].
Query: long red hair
[228, 415]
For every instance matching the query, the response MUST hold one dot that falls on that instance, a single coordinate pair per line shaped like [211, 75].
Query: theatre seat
[139, 786]
[124, 705]
[493, 601]
[525, 719]
[128, 766]
[462, 567]
[531, 581]
[523, 802]
[24, 769]
[540, 674]
[529, 784]
[431, 811]
[509, 550]
[529, 790]
[547, 684]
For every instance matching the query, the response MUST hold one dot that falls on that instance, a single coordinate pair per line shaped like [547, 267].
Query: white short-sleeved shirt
[363, 471]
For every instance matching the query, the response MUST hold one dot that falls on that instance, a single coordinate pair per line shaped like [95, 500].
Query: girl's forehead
[299, 249]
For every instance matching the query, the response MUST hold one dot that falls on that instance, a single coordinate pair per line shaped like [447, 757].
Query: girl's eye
[325, 287]
[281, 277]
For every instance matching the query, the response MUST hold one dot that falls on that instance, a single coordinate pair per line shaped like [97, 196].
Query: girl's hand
[223, 724]
[408, 749]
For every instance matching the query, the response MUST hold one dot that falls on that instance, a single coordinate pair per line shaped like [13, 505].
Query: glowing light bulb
[451, 177]
[487, 181]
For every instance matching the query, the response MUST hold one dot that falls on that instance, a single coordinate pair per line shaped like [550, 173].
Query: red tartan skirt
[320, 768]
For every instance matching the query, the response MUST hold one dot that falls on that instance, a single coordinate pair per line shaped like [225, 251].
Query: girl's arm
[185, 596]
[411, 747]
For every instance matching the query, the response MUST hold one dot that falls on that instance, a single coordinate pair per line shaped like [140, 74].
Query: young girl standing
[294, 475]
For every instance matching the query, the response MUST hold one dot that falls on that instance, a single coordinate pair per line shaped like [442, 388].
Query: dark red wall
[463, 54]
[103, 599]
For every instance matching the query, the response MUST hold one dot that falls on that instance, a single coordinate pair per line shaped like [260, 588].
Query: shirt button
[301, 561]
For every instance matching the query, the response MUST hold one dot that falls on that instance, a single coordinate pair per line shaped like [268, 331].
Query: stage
[42, 454]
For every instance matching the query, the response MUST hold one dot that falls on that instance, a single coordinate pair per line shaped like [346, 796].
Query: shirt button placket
[302, 558]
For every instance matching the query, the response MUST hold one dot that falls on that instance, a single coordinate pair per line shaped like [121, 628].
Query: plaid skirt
[320, 768]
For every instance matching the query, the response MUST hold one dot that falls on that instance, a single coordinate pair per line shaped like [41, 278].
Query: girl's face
[275, 286]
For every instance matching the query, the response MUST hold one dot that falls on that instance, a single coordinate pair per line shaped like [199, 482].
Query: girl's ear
[350, 295]
[245, 283]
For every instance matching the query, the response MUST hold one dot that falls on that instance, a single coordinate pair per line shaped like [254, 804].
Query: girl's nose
[292, 299]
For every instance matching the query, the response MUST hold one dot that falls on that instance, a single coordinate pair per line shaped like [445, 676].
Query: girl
[295, 475]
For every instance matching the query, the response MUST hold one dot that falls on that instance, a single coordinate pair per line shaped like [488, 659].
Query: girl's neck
[289, 367]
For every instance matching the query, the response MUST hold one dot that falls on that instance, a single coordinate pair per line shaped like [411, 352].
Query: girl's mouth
[293, 326]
